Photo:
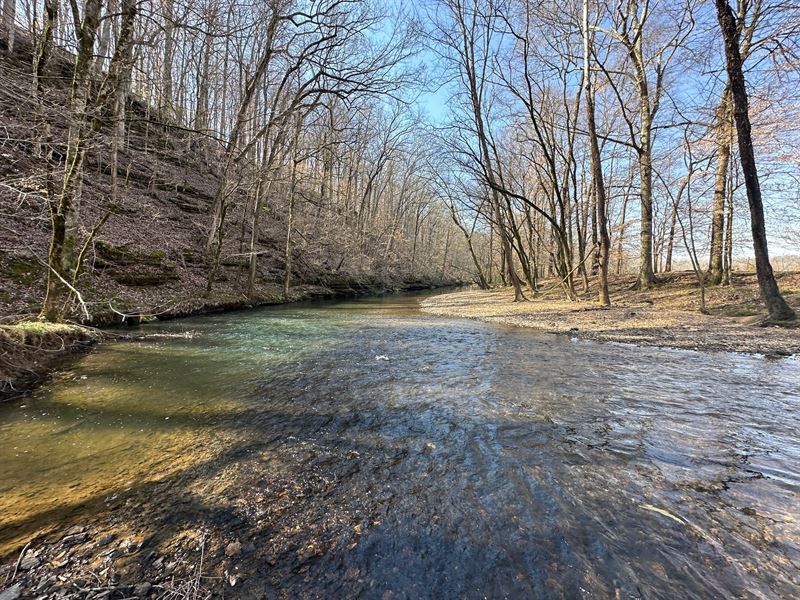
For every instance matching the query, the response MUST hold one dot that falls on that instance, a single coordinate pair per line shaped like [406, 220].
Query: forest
[158, 151]
[242, 208]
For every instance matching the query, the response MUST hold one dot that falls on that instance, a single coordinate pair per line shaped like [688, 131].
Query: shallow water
[482, 460]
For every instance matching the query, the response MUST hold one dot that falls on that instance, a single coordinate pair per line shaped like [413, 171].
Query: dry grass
[666, 315]
[30, 350]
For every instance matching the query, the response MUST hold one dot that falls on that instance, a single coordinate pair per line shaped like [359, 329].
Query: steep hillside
[148, 258]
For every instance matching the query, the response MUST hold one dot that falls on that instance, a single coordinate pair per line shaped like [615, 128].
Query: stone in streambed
[29, 562]
[141, 590]
[11, 593]
[74, 539]
[248, 548]
[233, 549]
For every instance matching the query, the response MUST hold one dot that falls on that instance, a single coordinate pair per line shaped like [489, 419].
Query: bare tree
[776, 305]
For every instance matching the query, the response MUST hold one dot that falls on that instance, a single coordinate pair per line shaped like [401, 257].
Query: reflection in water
[483, 460]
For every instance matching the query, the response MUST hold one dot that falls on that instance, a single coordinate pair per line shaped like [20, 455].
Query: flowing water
[477, 461]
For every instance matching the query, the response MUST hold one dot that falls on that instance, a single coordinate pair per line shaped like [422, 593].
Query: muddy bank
[31, 351]
[302, 293]
[660, 318]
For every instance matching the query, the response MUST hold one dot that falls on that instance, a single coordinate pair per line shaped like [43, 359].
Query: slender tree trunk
[777, 307]
[261, 193]
[287, 275]
[201, 121]
[621, 239]
[724, 135]
[44, 48]
[490, 278]
[9, 23]
[414, 245]
[169, 57]
[671, 238]
[105, 37]
[598, 183]
[728, 262]
[122, 67]
[44, 45]
[446, 251]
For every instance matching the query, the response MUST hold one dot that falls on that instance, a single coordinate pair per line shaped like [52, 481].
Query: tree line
[566, 127]
[301, 108]
[573, 122]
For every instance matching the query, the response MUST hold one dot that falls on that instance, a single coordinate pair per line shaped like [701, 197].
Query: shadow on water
[476, 461]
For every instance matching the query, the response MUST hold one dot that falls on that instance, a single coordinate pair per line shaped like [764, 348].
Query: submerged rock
[11, 593]
[29, 562]
[141, 590]
[233, 549]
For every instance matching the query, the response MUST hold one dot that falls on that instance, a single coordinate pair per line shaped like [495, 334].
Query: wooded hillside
[159, 152]
[320, 194]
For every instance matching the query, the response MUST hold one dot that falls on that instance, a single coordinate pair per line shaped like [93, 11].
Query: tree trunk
[169, 56]
[201, 115]
[105, 37]
[604, 241]
[9, 23]
[728, 262]
[646, 275]
[777, 307]
[724, 135]
[645, 157]
[671, 238]
[287, 275]
[65, 206]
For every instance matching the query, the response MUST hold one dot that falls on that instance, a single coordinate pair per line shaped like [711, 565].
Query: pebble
[105, 540]
[141, 590]
[74, 539]
[11, 593]
[233, 549]
[132, 544]
[29, 562]
[249, 548]
[74, 530]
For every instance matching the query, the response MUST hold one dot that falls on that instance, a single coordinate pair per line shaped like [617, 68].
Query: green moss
[121, 255]
[24, 271]
[42, 328]
[148, 279]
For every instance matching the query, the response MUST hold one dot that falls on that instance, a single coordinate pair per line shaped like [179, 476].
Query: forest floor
[666, 315]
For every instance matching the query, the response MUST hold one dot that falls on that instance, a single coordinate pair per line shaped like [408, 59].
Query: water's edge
[53, 353]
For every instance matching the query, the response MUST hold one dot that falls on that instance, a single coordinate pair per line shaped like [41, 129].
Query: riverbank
[665, 316]
[31, 351]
